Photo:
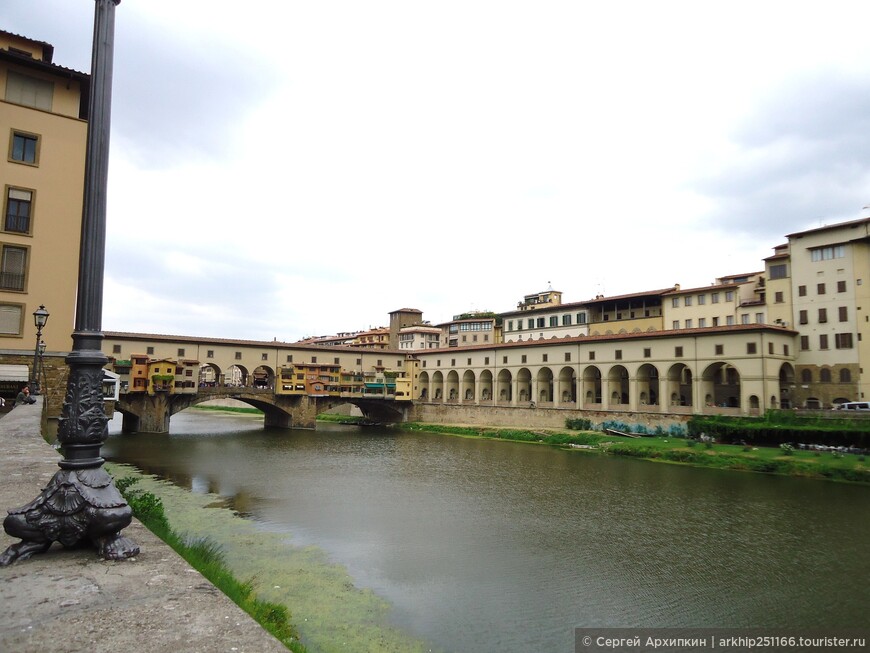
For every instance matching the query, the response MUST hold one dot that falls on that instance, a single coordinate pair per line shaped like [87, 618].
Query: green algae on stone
[328, 610]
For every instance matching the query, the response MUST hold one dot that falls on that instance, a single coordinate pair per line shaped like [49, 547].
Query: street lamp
[81, 503]
[40, 317]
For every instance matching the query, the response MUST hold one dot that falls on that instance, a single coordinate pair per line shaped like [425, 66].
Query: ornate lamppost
[81, 503]
[40, 317]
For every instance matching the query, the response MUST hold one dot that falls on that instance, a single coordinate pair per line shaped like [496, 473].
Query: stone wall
[531, 418]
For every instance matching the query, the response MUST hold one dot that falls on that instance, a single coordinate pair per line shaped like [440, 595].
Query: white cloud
[284, 169]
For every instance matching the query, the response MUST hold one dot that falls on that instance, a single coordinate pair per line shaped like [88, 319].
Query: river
[482, 546]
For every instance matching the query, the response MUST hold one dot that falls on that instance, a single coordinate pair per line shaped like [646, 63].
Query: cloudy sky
[282, 169]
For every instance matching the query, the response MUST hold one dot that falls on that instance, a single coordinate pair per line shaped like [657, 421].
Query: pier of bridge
[151, 413]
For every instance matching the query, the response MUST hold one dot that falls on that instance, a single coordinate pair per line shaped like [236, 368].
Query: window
[264, 357]
[510, 325]
[618, 354]
[566, 320]
[729, 295]
[729, 320]
[779, 271]
[675, 302]
[209, 353]
[805, 343]
[676, 324]
[720, 350]
[843, 313]
[14, 268]
[486, 360]
[803, 317]
[581, 318]
[24, 148]
[843, 340]
[802, 291]
[116, 349]
[678, 352]
[540, 323]
[29, 91]
[689, 323]
[647, 352]
[554, 320]
[778, 297]
[714, 298]
[10, 319]
[823, 341]
[545, 358]
[469, 362]
[289, 358]
[702, 322]
[567, 356]
[19, 203]
[592, 355]
[770, 348]
[504, 360]
[452, 362]
[358, 361]
[335, 361]
[823, 315]
[239, 356]
[785, 350]
[759, 318]
[751, 348]
[149, 351]
[806, 376]
[825, 375]
[531, 322]
[841, 286]
[744, 318]
[702, 299]
[180, 351]
[845, 376]
[687, 300]
[828, 253]
[820, 288]
[523, 358]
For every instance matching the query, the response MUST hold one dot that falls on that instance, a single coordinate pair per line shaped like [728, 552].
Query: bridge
[151, 413]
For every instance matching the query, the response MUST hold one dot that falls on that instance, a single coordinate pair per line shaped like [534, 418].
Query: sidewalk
[73, 601]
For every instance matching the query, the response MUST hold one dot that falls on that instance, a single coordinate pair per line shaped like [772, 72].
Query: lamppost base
[77, 506]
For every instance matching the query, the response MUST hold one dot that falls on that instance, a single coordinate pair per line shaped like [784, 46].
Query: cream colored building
[736, 370]
[828, 275]
[738, 299]
[43, 119]
[421, 336]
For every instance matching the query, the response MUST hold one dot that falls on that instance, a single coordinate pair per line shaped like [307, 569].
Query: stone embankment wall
[531, 418]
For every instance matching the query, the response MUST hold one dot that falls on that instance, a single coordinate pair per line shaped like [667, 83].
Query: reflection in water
[484, 546]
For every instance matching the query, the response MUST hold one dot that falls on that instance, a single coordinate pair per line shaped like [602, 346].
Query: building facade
[43, 119]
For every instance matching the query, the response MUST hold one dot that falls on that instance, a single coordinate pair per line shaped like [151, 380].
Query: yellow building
[43, 119]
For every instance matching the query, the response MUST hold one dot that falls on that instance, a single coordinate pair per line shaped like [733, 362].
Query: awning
[14, 373]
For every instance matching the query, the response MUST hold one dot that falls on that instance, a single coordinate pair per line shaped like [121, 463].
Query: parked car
[854, 405]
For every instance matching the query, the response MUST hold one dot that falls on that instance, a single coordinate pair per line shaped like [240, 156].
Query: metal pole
[99, 513]
[34, 386]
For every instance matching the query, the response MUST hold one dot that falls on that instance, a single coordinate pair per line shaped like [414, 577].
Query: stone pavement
[71, 600]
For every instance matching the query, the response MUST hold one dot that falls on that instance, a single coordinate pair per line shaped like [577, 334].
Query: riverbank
[785, 462]
[73, 600]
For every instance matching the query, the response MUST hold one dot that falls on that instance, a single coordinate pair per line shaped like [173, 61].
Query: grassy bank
[230, 409]
[340, 419]
[330, 613]
[207, 558]
[768, 460]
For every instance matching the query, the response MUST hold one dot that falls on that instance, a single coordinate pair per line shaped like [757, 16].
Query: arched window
[845, 376]
[806, 376]
[825, 375]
